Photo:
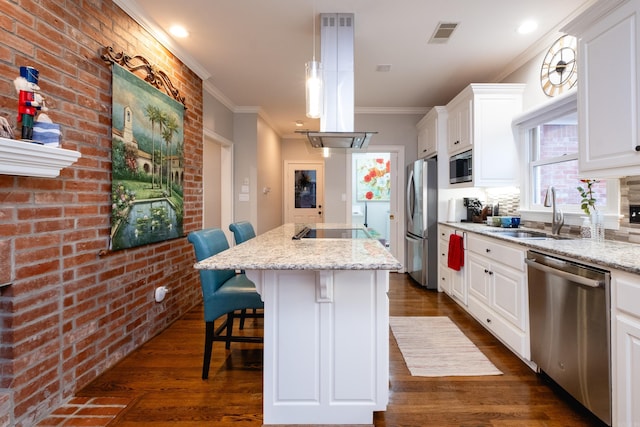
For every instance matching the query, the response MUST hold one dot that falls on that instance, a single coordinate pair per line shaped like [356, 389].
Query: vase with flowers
[594, 220]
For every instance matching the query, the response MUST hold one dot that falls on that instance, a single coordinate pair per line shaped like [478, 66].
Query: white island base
[326, 345]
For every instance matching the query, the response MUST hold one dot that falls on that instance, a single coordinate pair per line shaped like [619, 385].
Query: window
[549, 136]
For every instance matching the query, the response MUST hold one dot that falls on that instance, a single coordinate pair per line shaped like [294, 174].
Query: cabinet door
[508, 296]
[459, 286]
[459, 125]
[608, 102]
[479, 277]
[625, 289]
[427, 138]
[627, 374]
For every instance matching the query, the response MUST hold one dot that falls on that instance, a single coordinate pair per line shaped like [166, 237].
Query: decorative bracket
[324, 286]
[157, 78]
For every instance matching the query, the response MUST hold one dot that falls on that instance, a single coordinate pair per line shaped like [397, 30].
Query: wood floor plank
[163, 380]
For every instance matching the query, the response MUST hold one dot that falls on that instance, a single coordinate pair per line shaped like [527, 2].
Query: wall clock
[559, 71]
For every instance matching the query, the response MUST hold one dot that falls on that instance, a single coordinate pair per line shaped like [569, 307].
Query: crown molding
[131, 8]
[391, 110]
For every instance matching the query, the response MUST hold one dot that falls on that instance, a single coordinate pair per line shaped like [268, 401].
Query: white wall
[269, 179]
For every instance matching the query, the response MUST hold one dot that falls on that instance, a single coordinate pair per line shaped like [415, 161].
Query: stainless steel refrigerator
[422, 222]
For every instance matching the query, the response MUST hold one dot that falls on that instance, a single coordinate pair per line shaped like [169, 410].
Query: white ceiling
[251, 53]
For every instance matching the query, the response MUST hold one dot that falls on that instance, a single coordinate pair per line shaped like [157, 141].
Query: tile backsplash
[629, 195]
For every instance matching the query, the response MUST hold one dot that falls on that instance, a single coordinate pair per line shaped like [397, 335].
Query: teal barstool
[223, 292]
[242, 231]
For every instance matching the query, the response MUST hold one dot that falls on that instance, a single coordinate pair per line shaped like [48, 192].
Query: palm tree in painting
[154, 116]
[170, 128]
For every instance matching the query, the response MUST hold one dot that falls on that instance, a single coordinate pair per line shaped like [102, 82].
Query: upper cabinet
[459, 124]
[608, 88]
[479, 118]
[431, 128]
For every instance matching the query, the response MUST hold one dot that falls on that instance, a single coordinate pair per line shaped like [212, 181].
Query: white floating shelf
[29, 159]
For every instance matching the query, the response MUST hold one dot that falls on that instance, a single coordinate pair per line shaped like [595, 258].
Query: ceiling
[251, 53]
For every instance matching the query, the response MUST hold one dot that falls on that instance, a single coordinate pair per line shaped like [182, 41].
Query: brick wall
[66, 312]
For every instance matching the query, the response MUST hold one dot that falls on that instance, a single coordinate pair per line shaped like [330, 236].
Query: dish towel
[455, 259]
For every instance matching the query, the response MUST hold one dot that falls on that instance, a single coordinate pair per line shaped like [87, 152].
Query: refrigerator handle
[410, 187]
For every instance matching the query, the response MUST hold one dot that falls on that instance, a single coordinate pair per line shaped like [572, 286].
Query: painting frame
[147, 194]
[373, 179]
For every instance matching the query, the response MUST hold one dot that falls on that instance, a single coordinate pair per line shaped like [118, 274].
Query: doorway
[217, 179]
[375, 194]
[304, 192]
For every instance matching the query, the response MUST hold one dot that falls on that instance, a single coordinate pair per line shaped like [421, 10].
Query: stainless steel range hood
[337, 57]
[353, 140]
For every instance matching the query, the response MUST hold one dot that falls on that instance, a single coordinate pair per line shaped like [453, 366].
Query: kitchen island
[326, 324]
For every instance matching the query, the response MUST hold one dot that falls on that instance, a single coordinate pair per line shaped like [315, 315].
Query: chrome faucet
[557, 217]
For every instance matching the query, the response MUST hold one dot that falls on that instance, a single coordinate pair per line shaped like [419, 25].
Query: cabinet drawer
[627, 293]
[512, 337]
[496, 251]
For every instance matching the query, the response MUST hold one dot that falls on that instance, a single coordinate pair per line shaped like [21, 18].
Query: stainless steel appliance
[461, 168]
[331, 233]
[422, 219]
[569, 325]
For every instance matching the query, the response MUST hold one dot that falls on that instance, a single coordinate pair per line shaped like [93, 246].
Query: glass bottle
[585, 228]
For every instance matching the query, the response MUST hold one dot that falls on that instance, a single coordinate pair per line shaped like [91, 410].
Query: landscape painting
[147, 162]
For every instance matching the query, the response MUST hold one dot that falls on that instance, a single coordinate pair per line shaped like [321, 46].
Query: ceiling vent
[443, 32]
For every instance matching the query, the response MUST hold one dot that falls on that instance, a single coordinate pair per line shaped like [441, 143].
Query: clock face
[559, 71]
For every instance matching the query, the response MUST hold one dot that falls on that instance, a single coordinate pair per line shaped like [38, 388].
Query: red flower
[388, 166]
[380, 160]
[367, 178]
[369, 195]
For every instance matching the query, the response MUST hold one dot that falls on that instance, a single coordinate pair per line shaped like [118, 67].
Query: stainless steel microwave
[461, 168]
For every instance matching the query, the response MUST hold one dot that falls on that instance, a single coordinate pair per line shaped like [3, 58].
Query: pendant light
[313, 83]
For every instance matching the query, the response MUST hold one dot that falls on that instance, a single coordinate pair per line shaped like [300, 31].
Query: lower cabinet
[498, 292]
[452, 282]
[625, 346]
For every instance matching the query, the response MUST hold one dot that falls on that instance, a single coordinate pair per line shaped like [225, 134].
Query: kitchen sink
[526, 234]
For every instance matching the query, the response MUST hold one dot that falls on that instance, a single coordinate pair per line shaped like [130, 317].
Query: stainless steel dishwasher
[569, 320]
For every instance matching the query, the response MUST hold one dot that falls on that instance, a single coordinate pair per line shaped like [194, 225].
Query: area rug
[435, 347]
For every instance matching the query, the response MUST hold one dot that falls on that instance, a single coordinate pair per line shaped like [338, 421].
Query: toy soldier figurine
[29, 101]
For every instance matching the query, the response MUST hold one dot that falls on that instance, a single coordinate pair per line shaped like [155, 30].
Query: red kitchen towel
[455, 260]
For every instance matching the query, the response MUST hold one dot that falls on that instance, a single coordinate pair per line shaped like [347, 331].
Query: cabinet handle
[488, 320]
[486, 271]
[490, 273]
[457, 142]
[488, 250]
[637, 147]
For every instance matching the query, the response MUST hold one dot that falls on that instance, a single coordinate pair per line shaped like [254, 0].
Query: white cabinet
[451, 281]
[459, 125]
[497, 290]
[479, 118]
[431, 128]
[625, 289]
[608, 88]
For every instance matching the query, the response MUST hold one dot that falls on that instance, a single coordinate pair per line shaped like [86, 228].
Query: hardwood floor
[162, 379]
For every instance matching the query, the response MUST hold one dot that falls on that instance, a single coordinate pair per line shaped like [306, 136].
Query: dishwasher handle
[566, 275]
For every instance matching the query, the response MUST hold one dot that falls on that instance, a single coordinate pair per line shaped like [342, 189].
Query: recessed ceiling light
[527, 27]
[179, 31]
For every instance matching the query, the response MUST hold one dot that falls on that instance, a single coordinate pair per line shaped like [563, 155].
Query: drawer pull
[487, 250]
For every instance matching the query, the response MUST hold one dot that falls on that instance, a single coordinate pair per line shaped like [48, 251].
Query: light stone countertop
[276, 250]
[609, 254]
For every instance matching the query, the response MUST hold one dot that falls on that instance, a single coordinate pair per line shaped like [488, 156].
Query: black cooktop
[331, 233]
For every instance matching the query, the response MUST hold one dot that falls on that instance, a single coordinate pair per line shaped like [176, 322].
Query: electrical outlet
[634, 214]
